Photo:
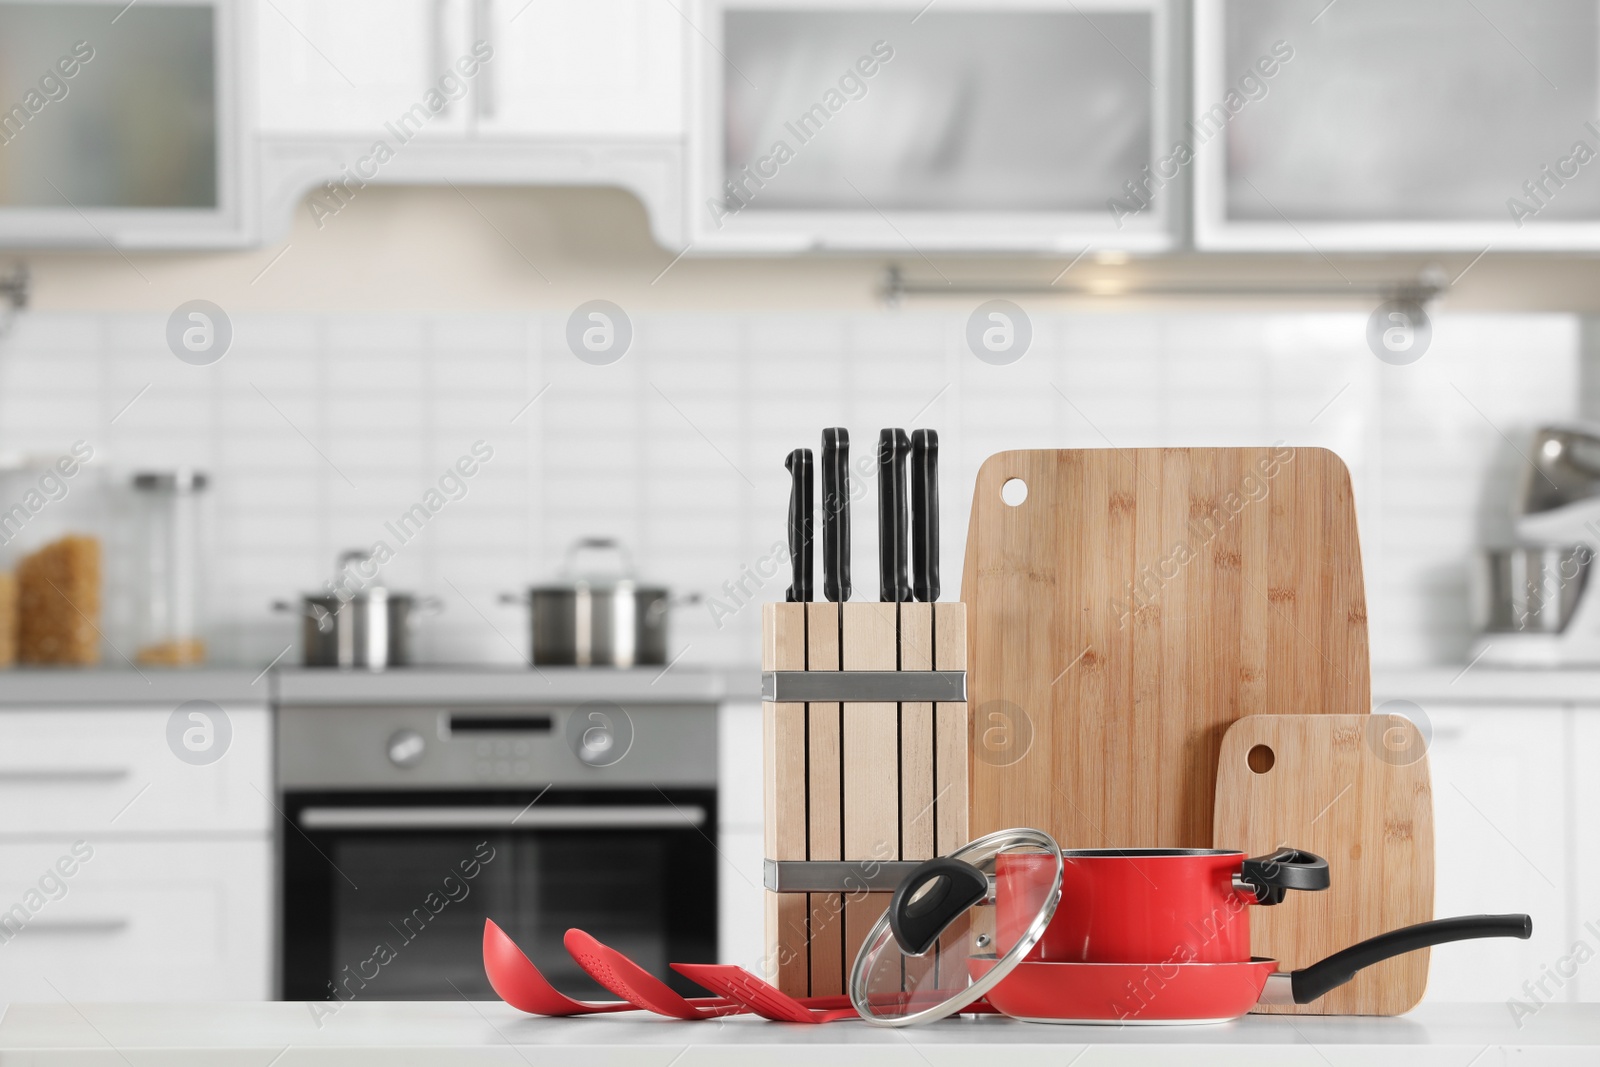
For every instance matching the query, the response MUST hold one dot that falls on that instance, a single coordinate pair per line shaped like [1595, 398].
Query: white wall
[678, 448]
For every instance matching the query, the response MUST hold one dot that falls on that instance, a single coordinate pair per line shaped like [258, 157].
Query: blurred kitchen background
[371, 318]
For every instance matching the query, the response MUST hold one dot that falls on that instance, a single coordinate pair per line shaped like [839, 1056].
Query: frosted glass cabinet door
[888, 124]
[1423, 124]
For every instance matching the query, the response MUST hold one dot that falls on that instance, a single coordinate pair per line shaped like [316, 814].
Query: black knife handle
[894, 451]
[836, 514]
[925, 514]
[800, 524]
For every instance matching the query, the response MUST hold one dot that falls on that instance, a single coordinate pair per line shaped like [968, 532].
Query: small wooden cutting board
[1355, 790]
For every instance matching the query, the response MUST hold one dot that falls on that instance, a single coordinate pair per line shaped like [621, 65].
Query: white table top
[456, 1032]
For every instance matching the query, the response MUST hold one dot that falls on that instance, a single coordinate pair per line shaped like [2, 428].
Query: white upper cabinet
[905, 126]
[1369, 124]
[598, 68]
[496, 68]
[353, 66]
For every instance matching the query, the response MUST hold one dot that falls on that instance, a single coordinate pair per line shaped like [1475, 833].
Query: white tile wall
[321, 427]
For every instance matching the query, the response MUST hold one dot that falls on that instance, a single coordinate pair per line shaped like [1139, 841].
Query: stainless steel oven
[407, 826]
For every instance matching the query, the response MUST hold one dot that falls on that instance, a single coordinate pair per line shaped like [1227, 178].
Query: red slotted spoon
[518, 982]
[763, 998]
[634, 984]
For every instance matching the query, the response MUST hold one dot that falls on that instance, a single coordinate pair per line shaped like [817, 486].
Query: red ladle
[518, 982]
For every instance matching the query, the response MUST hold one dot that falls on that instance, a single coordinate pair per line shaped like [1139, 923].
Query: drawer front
[142, 921]
[97, 771]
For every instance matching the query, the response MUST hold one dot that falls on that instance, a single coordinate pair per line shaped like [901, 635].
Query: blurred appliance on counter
[1532, 602]
[358, 623]
[168, 569]
[413, 823]
[597, 614]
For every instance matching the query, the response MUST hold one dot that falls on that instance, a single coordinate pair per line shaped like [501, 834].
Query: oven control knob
[406, 748]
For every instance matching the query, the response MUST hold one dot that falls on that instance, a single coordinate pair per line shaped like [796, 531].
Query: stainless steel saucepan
[598, 616]
[358, 623]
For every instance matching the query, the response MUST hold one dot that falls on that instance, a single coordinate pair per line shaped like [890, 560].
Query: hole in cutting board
[1261, 759]
[1014, 491]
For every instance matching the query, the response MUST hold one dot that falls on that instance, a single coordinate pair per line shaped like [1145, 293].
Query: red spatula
[634, 984]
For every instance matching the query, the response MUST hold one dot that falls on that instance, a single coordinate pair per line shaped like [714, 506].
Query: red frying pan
[1178, 992]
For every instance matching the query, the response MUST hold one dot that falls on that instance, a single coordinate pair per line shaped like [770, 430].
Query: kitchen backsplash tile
[677, 448]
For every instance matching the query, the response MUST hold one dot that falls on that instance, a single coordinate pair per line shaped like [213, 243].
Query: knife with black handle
[894, 450]
[836, 514]
[800, 525]
[925, 515]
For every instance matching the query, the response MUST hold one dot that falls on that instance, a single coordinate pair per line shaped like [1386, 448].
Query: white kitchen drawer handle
[509, 817]
[73, 926]
[34, 775]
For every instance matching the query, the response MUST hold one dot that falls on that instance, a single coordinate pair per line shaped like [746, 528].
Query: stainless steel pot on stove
[360, 624]
[598, 618]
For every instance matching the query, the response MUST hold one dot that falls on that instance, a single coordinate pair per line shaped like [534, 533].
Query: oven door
[385, 893]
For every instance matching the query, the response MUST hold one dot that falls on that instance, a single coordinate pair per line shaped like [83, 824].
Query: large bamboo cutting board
[1355, 790]
[1131, 608]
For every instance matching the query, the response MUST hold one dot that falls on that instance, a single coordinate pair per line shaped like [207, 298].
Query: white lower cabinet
[1501, 788]
[135, 920]
[741, 904]
[134, 866]
[1580, 962]
[99, 769]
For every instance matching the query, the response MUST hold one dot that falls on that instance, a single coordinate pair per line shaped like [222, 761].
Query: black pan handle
[925, 515]
[1309, 983]
[836, 514]
[799, 465]
[894, 449]
[1269, 877]
[918, 918]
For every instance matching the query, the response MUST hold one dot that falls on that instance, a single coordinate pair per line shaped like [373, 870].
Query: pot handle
[1267, 878]
[315, 612]
[1309, 983]
[514, 598]
[661, 605]
[430, 605]
[918, 917]
[623, 562]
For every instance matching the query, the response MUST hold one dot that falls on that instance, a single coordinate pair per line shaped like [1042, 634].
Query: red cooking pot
[966, 926]
[1144, 993]
[1145, 905]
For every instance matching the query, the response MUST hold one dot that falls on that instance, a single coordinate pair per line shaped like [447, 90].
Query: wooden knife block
[856, 781]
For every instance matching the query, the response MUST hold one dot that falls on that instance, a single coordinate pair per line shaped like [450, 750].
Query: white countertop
[456, 1032]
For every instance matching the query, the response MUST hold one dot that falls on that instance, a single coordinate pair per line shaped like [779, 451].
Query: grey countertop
[510, 684]
[35, 686]
[29, 686]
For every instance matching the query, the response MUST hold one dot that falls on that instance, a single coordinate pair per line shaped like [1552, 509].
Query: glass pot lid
[956, 926]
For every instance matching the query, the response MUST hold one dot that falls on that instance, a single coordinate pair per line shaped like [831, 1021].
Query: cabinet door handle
[483, 30]
[35, 775]
[438, 57]
[65, 926]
